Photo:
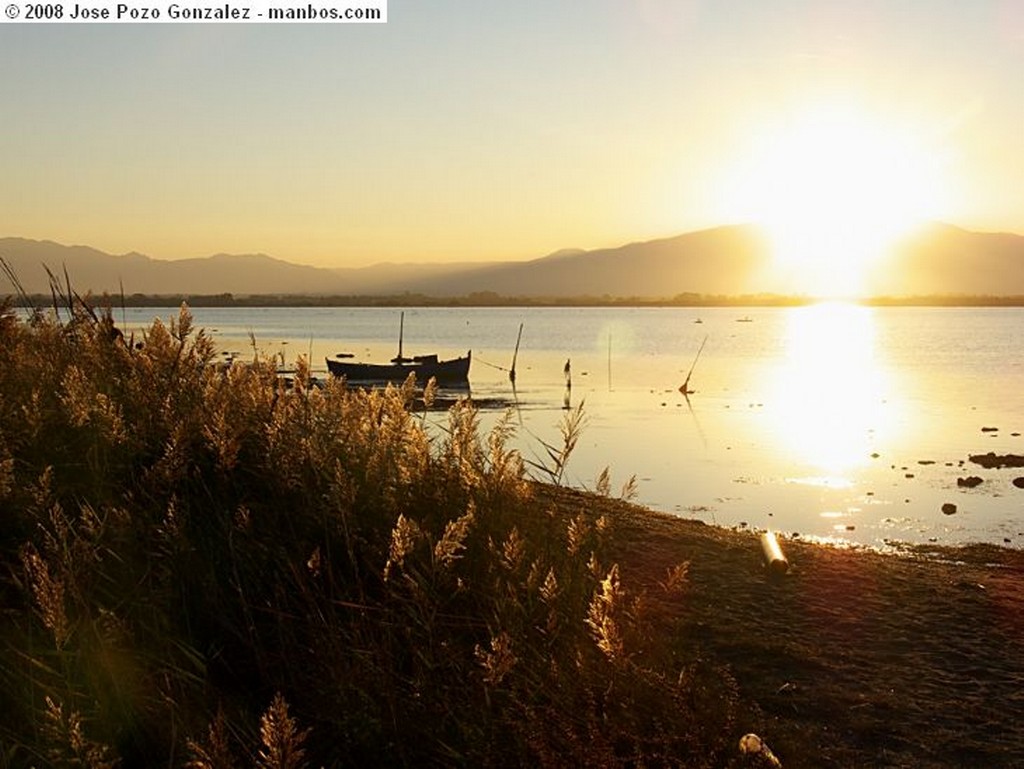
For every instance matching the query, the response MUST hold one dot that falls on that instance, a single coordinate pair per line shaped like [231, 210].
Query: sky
[483, 130]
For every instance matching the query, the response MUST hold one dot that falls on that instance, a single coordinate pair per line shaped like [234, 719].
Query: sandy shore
[852, 658]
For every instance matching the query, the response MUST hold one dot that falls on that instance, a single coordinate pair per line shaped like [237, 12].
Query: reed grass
[204, 566]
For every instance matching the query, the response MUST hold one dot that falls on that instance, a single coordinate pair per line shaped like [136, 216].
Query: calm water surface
[838, 422]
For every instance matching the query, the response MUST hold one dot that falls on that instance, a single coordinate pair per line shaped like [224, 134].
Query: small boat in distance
[452, 372]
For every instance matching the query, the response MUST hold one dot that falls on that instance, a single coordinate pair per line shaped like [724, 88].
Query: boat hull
[447, 372]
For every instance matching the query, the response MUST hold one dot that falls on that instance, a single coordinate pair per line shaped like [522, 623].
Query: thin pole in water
[512, 371]
[685, 387]
[401, 333]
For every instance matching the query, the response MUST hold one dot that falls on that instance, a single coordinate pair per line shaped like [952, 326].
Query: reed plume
[282, 739]
[602, 616]
[187, 535]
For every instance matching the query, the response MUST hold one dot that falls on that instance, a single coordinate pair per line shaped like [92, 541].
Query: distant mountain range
[733, 260]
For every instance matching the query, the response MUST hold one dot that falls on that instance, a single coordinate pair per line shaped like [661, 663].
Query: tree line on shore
[494, 299]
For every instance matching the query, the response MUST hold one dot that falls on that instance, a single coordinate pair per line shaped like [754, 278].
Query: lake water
[837, 422]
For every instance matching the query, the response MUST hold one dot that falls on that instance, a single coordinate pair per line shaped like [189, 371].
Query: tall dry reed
[183, 543]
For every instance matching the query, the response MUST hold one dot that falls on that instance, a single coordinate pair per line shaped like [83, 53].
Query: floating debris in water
[949, 508]
[969, 482]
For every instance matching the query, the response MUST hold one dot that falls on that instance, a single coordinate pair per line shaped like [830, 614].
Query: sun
[833, 188]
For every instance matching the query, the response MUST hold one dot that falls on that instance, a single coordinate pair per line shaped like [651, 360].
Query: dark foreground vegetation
[207, 567]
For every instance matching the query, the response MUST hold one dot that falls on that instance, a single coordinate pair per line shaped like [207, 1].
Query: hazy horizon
[482, 261]
[497, 131]
[731, 260]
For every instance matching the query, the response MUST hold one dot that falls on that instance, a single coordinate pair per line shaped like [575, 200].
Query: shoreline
[853, 658]
[182, 539]
[489, 299]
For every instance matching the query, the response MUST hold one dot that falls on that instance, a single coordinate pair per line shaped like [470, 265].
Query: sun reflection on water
[828, 394]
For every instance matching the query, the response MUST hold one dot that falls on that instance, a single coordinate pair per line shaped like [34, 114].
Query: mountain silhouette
[940, 259]
[723, 260]
[732, 260]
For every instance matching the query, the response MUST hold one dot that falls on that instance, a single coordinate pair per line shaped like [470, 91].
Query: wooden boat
[452, 372]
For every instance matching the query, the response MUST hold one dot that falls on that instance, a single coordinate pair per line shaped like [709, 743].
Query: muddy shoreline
[853, 658]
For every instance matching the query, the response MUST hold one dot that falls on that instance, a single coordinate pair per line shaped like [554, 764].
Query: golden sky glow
[494, 130]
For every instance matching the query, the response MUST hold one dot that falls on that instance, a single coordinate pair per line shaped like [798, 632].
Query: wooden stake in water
[567, 370]
[512, 371]
[401, 333]
[684, 388]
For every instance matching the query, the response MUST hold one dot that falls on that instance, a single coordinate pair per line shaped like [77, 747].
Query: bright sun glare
[834, 188]
[829, 396]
